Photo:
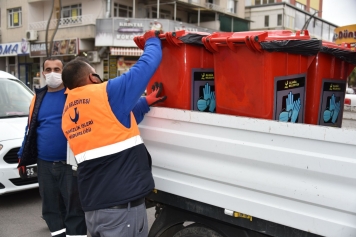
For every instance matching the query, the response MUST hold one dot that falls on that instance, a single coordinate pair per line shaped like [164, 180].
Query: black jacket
[29, 152]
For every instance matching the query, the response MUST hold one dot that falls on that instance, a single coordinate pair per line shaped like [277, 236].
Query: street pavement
[20, 215]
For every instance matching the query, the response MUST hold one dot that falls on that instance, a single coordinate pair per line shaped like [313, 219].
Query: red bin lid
[176, 38]
[272, 40]
[343, 51]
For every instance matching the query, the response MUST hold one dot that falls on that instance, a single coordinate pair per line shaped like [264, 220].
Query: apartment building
[289, 15]
[102, 30]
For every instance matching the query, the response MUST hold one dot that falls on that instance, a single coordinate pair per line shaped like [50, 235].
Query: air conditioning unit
[31, 35]
[93, 57]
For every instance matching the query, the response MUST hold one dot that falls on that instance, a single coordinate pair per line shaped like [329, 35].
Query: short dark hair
[82, 58]
[74, 72]
[52, 59]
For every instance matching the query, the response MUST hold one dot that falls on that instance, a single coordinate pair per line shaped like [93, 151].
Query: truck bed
[298, 175]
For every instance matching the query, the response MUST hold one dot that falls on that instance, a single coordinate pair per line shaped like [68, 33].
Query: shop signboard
[345, 34]
[62, 47]
[13, 49]
[120, 32]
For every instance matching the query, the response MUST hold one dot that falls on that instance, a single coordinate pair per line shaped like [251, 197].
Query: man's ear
[91, 79]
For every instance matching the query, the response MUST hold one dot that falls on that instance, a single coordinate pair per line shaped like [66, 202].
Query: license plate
[31, 172]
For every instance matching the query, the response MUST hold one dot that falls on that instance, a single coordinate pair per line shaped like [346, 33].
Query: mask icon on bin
[207, 102]
[291, 108]
[332, 109]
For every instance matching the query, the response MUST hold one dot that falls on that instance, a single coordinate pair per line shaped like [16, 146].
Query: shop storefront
[14, 59]
[345, 34]
[116, 34]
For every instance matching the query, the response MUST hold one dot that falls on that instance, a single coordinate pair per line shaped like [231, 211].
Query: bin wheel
[196, 230]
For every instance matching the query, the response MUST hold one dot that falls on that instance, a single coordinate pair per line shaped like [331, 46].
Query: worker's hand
[150, 34]
[139, 42]
[22, 171]
[154, 98]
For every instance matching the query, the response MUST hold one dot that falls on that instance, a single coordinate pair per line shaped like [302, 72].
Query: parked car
[350, 97]
[350, 91]
[15, 99]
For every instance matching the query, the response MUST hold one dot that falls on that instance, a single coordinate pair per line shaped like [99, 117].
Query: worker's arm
[140, 109]
[125, 90]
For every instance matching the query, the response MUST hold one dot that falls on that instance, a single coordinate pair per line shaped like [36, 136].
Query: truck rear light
[347, 101]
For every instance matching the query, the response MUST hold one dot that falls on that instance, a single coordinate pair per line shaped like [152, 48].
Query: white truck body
[297, 175]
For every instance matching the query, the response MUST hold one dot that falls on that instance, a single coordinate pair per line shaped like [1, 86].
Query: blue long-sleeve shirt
[125, 90]
[124, 94]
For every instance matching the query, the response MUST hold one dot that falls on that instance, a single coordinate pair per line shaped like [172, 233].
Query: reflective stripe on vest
[109, 150]
[91, 127]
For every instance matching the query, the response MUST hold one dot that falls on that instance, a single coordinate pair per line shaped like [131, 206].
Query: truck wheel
[196, 231]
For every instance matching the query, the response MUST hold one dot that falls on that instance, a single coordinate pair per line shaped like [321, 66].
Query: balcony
[64, 22]
[214, 7]
[218, 8]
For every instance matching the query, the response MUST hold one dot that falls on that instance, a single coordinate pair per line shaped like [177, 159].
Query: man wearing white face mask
[45, 144]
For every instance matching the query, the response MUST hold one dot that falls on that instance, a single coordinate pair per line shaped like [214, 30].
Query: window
[266, 21]
[260, 2]
[163, 14]
[300, 19]
[300, 6]
[232, 6]
[279, 19]
[71, 14]
[122, 10]
[15, 17]
[325, 32]
[312, 10]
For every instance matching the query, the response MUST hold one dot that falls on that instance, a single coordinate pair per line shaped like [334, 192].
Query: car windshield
[15, 98]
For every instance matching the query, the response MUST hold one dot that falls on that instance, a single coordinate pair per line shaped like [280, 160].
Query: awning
[126, 51]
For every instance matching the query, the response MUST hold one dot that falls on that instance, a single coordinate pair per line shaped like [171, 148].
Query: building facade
[289, 15]
[77, 27]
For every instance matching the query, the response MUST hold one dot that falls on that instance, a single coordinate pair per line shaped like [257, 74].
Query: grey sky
[340, 12]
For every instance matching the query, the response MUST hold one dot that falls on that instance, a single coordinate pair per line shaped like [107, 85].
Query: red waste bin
[326, 84]
[262, 74]
[185, 68]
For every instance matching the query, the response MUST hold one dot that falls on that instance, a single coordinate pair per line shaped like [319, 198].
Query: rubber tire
[197, 231]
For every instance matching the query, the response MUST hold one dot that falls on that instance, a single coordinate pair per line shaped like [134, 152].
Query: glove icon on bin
[208, 101]
[332, 110]
[291, 111]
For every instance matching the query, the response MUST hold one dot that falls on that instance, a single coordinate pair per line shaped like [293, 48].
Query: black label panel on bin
[289, 98]
[332, 98]
[203, 90]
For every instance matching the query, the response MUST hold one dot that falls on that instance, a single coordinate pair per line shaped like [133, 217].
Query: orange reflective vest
[91, 127]
[114, 166]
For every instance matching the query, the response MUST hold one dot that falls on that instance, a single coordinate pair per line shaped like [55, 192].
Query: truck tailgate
[298, 175]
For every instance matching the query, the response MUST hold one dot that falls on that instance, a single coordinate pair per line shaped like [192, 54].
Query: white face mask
[53, 79]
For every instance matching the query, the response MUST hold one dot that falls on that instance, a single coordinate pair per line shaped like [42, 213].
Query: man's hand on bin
[22, 171]
[150, 34]
[154, 98]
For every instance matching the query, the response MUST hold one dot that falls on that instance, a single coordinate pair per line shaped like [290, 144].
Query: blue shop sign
[13, 49]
